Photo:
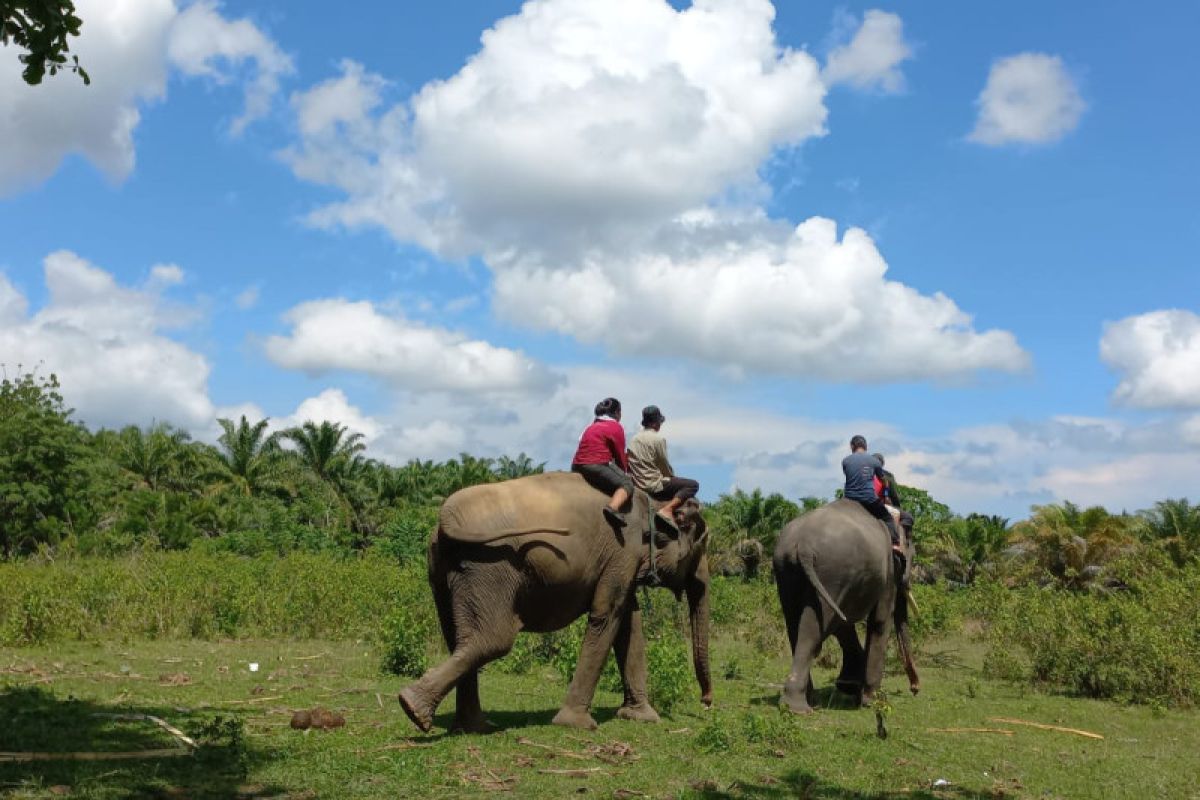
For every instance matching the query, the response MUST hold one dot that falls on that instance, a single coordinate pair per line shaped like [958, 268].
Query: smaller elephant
[834, 568]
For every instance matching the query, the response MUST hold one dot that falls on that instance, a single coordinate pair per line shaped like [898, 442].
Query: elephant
[536, 553]
[834, 568]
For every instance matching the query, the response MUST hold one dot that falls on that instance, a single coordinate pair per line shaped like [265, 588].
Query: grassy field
[743, 748]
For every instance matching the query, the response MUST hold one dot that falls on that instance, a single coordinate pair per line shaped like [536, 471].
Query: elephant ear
[691, 521]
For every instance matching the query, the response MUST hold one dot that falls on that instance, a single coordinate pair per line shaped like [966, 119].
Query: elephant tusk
[913, 602]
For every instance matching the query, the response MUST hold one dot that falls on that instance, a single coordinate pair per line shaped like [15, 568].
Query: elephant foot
[797, 704]
[847, 686]
[421, 718]
[868, 697]
[575, 718]
[475, 723]
[706, 699]
[642, 712]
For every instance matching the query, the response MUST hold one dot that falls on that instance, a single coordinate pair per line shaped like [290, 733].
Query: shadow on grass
[826, 698]
[35, 720]
[510, 720]
[802, 784]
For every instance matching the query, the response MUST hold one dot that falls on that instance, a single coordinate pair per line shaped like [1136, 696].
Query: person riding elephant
[651, 469]
[601, 459]
[832, 570]
[862, 470]
[891, 495]
[534, 554]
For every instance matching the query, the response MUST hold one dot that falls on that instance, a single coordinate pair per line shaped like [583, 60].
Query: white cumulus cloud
[762, 298]
[872, 58]
[106, 344]
[603, 159]
[574, 116]
[1030, 98]
[129, 48]
[338, 334]
[1157, 356]
[202, 42]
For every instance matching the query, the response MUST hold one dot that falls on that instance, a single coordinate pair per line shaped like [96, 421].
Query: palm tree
[247, 458]
[965, 544]
[326, 449]
[507, 468]
[1073, 544]
[331, 453]
[158, 458]
[1174, 525]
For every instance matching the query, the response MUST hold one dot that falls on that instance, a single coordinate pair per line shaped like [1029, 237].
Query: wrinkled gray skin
[535, 554]
[833, 568]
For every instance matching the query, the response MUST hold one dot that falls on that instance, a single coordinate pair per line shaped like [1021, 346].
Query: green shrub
[1138, 644]
[714, 737]
[406, 638]
[669, 672]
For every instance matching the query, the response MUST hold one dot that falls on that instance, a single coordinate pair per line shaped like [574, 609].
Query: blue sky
[453, 243]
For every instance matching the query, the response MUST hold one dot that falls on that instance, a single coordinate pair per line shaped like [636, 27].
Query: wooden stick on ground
[572, 773]
[162, 723]
[555, 750]
[1000, 731]
[174, 752]
[1043, 726]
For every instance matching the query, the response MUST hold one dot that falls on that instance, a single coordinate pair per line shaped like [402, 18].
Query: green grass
[743, 748]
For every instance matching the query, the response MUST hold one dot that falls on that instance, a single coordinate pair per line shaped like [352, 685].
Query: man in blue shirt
[861, 470]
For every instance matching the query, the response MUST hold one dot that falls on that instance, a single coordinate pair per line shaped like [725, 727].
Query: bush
[406, 637]
[1139, 645]
[669, 672]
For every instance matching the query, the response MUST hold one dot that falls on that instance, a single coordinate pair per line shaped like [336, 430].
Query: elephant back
[554, 503]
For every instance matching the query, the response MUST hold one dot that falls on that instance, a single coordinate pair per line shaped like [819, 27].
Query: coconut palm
[326, 449]
[247, 458]
[157, 458]
[1074, 544]
[507, 468]
[1173, 525]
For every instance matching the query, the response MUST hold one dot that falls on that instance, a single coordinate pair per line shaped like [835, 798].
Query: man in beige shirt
[652, 471]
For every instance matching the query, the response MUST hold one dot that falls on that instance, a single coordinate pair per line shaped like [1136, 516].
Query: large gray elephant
[833, 568]
[534, 554]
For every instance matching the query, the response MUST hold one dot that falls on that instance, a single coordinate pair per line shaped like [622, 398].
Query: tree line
[309, 486]
[313, 487]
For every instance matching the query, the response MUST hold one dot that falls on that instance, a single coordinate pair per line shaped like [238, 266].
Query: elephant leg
[797, 690]
[604, 621]
[483, 640]
[879, 625]
[791, 604]
[850, 680]
[630, 648]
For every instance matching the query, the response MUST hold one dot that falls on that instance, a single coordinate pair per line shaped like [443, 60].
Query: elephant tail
[809, 571]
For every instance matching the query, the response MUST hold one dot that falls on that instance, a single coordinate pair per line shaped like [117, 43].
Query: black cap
[652, 416]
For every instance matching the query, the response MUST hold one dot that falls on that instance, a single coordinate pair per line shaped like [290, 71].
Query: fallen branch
[1000, 731]
[174, 752]
[402, 746]
[309, 658]
[251, 701]
[162, 723]
[572, 773]
[555, 750]
[1045, 727]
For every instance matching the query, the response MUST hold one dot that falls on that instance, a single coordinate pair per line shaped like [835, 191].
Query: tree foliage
[41, 28]
[43, 465]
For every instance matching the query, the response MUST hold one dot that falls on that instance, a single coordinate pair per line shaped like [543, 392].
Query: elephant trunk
[900, 620]
[697, 595]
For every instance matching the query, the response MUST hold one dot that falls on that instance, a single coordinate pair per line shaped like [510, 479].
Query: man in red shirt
[601, 460]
